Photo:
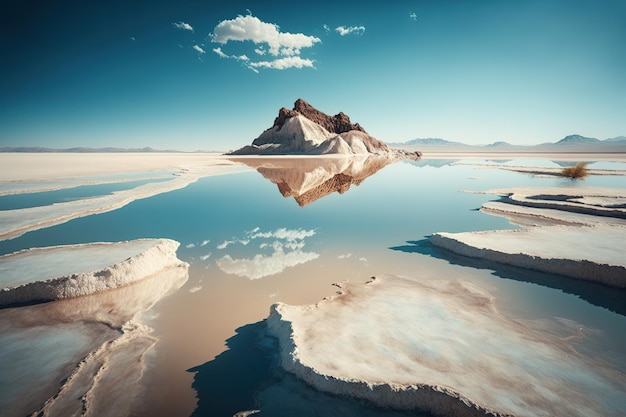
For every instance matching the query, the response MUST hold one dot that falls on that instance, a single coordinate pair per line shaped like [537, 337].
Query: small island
[304, 130]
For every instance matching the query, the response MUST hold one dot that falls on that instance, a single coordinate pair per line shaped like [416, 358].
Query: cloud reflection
[281, 249]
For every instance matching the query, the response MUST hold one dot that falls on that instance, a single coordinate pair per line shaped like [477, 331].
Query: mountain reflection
[311, 178]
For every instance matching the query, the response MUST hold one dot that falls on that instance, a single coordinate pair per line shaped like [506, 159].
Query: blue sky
[191, 75]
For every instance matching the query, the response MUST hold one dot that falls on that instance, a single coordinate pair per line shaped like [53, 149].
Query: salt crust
[440, 347]
[107, 381]
[591, 253]
[39, 171]
[581, 233]
[149, 259]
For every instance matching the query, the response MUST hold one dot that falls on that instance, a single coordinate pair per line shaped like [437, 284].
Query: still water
[249, 247]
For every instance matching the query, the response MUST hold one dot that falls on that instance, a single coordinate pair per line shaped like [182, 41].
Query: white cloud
[283, 63]
[347, 30]
[195, 289]
[412, 16]
[199, 49]
[220, 53]
[223, 55]
[205, 242]
[251, 28]
[326, 28]
[183, 26]
[191, 245]
[268, 39]
[205, 257]
[344, 256]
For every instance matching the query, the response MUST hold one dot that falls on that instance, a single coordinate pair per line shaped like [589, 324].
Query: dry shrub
[577, 171]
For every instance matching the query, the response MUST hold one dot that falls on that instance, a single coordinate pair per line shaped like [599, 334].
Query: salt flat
[46, 274]
[75, 356]
[21, 173]
[444, 348]
[578, 232]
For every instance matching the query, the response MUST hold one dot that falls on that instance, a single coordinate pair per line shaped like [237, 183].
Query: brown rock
[338, 123]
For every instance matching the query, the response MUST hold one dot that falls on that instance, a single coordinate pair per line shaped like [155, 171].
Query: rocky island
[304, 130]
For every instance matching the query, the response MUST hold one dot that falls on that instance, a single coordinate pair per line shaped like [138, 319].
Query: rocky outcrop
[339, 123]
[304, 130]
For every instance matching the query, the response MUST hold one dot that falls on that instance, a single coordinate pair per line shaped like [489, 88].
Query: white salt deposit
[442, 347]
[593, 253]
[39, 172]
[80, 356]
[45, 274]
[590, 246]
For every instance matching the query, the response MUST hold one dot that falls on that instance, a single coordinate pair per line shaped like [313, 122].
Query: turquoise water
[382, 221]
[401, 202]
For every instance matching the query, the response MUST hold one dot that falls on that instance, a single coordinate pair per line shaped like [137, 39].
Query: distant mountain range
[571, 141]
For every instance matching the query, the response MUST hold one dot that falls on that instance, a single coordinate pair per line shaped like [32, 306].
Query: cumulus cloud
[205, 242]
[251, 28]
[284, 63]
[199, 49]
[326, 27]
[195, 289]
[191, 245]
[205, 257]
[183, 26]
[347, 30]
[413, 16]
[285, 47]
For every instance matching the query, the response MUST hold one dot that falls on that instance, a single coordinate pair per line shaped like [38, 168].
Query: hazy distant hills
[571, 143]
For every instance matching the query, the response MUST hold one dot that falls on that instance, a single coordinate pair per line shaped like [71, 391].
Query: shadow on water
[246, 380]
[600, 295]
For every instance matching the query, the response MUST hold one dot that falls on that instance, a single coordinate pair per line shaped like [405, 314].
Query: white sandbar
[441, 347]
[50, 171]
[45, 274]
[578, 232]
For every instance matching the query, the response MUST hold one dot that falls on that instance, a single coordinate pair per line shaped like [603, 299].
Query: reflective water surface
[250, 245]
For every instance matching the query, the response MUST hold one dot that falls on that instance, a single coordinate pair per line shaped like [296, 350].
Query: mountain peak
[304, 130]
[573, 139]
[339, 123]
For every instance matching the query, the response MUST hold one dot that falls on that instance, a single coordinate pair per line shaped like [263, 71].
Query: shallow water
[250, 247]
[44, 198]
